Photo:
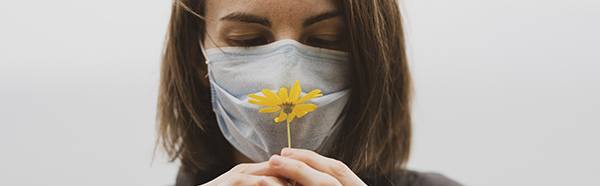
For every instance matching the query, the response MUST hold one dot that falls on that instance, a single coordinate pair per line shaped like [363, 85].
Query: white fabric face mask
[236, 72]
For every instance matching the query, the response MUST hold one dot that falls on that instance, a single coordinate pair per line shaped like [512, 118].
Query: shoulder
[414, 178]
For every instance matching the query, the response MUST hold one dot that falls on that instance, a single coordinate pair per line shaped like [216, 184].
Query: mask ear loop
[207, 61]
[203, 51]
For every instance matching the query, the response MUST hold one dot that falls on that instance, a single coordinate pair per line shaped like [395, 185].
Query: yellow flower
[288, 104]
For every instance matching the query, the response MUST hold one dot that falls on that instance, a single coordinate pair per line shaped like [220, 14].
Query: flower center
[287, 107]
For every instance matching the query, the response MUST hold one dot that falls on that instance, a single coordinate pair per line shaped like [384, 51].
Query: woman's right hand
[250, 174]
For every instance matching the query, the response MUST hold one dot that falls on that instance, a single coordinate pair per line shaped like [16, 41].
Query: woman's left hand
[309, 168]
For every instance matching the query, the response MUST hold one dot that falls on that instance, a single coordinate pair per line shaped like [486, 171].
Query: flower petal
[291, 116]
[295, 91]
[299, 112]
[269, 110]
[310, 95]
[280, 118]
[283, 95]
[271, 96]
[302, 109]
[263, 103]
[260, 98]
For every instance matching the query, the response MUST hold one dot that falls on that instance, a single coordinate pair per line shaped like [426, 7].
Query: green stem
[288, 129]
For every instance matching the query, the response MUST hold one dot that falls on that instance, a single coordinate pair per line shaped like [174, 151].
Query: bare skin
[256, 22]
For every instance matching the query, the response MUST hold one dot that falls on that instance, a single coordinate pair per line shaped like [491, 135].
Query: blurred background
[507, 92]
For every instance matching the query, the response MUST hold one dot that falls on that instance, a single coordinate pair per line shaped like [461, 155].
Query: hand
[309, 168]
[250, 174]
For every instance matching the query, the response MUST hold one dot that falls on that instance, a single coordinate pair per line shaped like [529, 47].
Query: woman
[220, 51]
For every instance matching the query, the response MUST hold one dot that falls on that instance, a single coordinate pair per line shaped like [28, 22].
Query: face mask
[236, 72]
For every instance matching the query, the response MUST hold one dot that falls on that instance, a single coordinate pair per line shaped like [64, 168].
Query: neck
[240, 158]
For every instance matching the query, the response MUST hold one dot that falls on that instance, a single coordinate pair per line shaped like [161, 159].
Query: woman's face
[245, 23]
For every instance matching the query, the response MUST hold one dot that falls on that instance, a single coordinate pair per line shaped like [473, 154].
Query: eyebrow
[250, 18]
[321, 17]
[247, 18]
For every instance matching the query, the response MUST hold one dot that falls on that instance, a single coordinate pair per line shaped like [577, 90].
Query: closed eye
[324, 43]
[249, 42]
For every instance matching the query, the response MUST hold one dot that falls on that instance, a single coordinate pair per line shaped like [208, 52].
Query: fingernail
[287, 152]
[276, 160]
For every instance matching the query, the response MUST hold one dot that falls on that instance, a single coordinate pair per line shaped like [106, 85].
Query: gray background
[506, 91]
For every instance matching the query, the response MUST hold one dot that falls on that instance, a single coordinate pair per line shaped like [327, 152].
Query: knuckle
[238, 179]
[241, 168]
[296, 169]
[339, 169]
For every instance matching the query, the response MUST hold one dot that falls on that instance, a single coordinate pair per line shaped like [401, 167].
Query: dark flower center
[287, 107]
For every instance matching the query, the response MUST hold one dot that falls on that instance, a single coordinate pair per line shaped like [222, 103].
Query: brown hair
[376, 136]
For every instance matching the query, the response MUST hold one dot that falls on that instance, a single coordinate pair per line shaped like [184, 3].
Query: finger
[253, 180]
[333, 167]
[300, 172]
[272, 180]
[257, 169]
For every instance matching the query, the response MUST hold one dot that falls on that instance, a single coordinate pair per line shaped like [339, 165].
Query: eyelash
[323, 43]
[249, 42]
[312, 41]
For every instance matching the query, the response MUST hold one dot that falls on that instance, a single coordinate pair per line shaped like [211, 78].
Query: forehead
[275, 10]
